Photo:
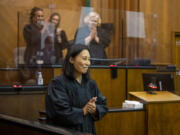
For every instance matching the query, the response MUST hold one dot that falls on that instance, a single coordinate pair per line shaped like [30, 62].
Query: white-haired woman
[93, 36]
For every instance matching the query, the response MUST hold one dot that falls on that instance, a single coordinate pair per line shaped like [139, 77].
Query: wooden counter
[122, 122]
[159, 96]
[162, 112]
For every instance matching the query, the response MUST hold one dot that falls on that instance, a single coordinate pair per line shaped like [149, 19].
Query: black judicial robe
[65, 99]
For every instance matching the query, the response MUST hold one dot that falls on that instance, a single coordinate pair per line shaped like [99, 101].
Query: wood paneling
[177, 83]
[168, 21]
[134, 79]
[113, 89]
[122, 123]
[163, 118]
[57, 71]
[162, 112]
[26, 106]
[176, 48]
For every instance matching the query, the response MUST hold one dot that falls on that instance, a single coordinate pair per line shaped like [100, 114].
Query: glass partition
[113, 36]
[25, 76]
[141, 38]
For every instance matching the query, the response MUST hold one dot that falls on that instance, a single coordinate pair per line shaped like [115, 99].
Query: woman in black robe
[73, 100]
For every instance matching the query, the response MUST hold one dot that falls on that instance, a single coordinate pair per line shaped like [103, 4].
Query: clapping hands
[90, 107]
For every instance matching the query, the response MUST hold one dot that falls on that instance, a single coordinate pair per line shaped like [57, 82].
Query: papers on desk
[132, 104]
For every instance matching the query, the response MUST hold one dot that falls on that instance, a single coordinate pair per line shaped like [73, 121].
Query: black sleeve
[104, 37]
[58, 105]
[65, 43]
[100, 103]
[27, 37]
[27, 34]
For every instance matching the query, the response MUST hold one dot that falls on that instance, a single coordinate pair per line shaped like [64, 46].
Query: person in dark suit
[93, 36]
[32, 35]
[73, 100]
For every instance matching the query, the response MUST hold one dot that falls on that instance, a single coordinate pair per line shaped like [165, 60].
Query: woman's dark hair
[32, 14]
[68, 68]
[55, 14]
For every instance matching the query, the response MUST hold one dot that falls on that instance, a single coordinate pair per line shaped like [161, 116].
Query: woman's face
[55, 20]
[38, 16]
[93, 21]
[81, 62]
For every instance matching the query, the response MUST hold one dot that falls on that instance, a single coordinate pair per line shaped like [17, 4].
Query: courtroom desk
[162, 112]
[25, 102]
[15, 126]
[122, 122]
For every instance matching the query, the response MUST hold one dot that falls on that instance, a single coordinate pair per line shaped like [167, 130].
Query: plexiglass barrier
[113, 36]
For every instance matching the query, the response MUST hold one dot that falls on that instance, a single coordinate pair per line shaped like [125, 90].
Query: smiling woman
[81, 63]
[73, 100]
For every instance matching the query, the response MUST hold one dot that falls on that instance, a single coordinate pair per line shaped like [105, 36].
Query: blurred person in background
[32, 35]
[92, 35]
[56, 39]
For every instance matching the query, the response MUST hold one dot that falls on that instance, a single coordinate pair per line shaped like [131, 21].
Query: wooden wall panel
[162, 123]
[57, 71]
[168, 21]
[134, 78]
[26, 106]
[113, 89]
[122, 123]
[177, 83]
